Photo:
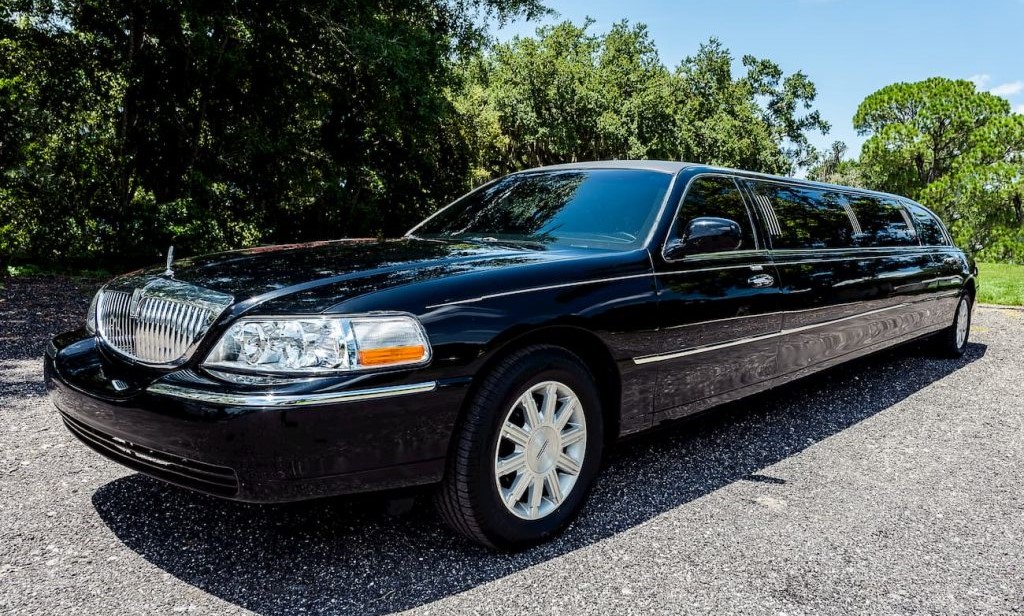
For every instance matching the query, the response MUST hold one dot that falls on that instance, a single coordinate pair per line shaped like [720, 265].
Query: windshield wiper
[485, 239]
[536, 245]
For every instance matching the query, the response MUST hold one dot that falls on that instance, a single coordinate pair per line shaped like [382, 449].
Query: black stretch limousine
[502, 344]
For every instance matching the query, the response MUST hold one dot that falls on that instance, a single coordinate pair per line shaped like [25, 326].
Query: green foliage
[568, 95]
[753, 121]
[983, 191]
[32, 270]
[126, 126]
[1001, 283]
[832, 168]
[917, 130]
[129, 125]
[957, 150]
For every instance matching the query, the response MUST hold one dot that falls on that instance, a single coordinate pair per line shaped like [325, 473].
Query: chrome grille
[158, 323]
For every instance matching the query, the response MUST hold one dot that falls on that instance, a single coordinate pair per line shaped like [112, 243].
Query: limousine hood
[312, 277]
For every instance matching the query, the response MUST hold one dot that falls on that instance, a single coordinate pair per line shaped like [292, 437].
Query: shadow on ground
[345, 555]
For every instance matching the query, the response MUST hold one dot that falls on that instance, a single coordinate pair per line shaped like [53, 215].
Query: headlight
[320, 345]
[90, 317]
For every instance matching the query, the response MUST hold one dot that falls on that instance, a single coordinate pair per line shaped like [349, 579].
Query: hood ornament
[170, 259]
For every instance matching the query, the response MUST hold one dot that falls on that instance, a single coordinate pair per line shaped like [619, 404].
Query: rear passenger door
[717, 309]
[907, 270]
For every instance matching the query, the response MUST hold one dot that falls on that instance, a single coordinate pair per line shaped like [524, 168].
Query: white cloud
[1019, 108]
[980, 80]
[1008, 89]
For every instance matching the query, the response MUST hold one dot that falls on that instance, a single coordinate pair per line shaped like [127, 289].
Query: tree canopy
[955, 149]
[130, 125]
[568, 95]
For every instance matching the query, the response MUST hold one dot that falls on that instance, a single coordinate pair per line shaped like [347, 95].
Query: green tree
[833, 167]
[958, 151]
[917, 130]
[983, 192]
[129, 124]
[752, 121]
[568, 94]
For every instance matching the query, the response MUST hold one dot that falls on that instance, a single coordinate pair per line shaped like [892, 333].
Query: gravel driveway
[892, 485]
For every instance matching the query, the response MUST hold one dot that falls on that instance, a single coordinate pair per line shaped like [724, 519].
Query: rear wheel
[952, 341]
[527, 452]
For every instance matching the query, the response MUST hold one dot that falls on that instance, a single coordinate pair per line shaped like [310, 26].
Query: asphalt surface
[891, 485]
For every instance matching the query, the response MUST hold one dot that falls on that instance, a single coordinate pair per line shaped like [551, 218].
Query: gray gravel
[892, 485]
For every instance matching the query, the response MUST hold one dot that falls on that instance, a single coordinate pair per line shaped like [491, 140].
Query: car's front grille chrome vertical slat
[159, 323]
[188, 318]
[142, 333]
[174, 333]
[146, 334]
[124, 326]
[192, 322]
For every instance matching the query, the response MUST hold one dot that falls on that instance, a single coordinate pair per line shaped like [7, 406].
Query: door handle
[761, 280]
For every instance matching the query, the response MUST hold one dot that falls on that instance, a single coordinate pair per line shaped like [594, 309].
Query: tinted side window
[718, 196]
[882, 222]
[804, 218]
[928, 227]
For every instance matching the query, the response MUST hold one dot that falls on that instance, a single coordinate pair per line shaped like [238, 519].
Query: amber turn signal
[391, 355]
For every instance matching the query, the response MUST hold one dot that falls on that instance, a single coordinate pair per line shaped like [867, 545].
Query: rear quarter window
[928, 226]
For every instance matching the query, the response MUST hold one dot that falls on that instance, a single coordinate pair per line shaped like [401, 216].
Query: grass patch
[1001, 283]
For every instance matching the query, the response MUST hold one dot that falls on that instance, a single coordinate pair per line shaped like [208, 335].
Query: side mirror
[705, 234]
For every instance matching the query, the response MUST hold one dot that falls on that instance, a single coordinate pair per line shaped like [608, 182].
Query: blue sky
[849, 48]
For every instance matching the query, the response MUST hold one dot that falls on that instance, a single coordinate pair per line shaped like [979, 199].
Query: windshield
[606, 208]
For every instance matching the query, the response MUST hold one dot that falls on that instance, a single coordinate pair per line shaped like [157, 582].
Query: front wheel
[952, 341]
[528, 450]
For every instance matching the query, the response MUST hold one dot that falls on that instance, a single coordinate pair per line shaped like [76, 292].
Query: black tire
[468, 499]
[945, 343]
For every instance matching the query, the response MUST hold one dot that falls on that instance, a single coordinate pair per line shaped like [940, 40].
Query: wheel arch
[971, 287]
[583, 343]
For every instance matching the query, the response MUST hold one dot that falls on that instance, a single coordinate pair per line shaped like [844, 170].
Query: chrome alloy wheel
[962, 321]
[540, 450]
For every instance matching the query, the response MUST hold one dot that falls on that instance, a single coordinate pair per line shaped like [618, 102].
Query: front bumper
[380, 432]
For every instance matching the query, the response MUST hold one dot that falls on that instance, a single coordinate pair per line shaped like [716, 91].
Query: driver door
[718, 310]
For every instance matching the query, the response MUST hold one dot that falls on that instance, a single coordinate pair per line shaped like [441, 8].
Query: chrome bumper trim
[261, 399]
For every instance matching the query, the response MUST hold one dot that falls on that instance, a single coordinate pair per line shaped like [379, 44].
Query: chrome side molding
[279, 400]
[646, 359]
[550, 287]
